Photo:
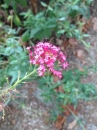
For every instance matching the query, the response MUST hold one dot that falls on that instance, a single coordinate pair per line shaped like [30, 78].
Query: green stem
[77, 119]
[12, 22]
[17, 82]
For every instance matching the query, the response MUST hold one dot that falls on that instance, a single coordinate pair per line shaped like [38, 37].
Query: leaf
[14, 5]
[86, 35]
[73, 41]
[43, 4]
[65, 43]
[50, 8]
[8, 51]
[60, 89]
[56, 78]
[87, 24]
[19, 49]
[10, 17]
[70, 108]
[13, 62]
[26, 36]
[23, 2]
[81, 69]
[72, 124]
[17, 20]
[59, 42]
[13, 122]
[62, 31]
[33, 32]
[80, 53]
[59, 122]
[7, 2]
[75, 7]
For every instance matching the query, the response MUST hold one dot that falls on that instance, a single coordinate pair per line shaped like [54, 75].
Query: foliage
[38, 26]
[61, 92]
[60, 22]
[69, 90]
[14, 57]
[7, 94]
[14, 3]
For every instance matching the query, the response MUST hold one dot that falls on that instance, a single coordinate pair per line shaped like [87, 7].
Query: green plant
[14, 3]
[18, 68]
[72, 90]
[59, 17]
[10, 11]
[38, 26]
[14, 57]
[6, 94]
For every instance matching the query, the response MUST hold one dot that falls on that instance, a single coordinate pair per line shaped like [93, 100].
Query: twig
[3, 63]
[76, 118]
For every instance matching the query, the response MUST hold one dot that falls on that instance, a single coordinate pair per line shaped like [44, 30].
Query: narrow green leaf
[17, 20]
[43, 4]
[26, 36]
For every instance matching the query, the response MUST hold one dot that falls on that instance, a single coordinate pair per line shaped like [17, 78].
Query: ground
[34, 115]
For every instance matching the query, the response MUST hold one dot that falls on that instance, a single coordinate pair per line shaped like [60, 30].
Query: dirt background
[35, 115]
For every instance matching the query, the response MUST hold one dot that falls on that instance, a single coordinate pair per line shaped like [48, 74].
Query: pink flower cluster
[46, 56]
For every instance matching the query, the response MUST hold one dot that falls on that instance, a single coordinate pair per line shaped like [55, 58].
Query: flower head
[47, 57]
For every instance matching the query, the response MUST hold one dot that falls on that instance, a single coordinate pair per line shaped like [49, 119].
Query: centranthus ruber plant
[48, 58]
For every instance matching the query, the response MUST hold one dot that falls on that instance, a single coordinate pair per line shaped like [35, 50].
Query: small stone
[70, 119]
[80, 128]
[91, 127]
[72, 124]
[80, 53]
[13, 122]
[38, 94]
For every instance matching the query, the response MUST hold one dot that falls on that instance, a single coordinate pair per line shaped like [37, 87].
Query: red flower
[46, 56]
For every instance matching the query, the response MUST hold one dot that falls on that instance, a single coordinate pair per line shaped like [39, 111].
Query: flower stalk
[4, 92]
[47, 56]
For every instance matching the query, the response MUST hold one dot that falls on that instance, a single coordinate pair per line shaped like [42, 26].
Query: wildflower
[28, 48]
[65, 65]
[47, 57]
[41, 70]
